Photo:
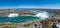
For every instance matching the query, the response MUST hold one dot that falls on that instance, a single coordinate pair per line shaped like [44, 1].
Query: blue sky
[29, 3]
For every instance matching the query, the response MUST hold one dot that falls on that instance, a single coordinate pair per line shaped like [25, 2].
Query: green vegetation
[1, 24]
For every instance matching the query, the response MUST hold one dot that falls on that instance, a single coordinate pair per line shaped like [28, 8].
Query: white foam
[13, 15]
[43, 15]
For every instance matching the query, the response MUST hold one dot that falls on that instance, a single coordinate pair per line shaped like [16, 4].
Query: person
[59, 21]
[40, 26]
[54, 26]
[35, 25]
[58, 25]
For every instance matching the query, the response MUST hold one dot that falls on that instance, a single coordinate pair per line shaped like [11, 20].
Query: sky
[30, 4]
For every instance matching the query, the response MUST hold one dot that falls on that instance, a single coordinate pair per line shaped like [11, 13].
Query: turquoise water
[19, 19]
[22, 18]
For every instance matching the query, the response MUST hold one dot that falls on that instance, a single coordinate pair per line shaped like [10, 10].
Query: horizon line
[29, 7]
